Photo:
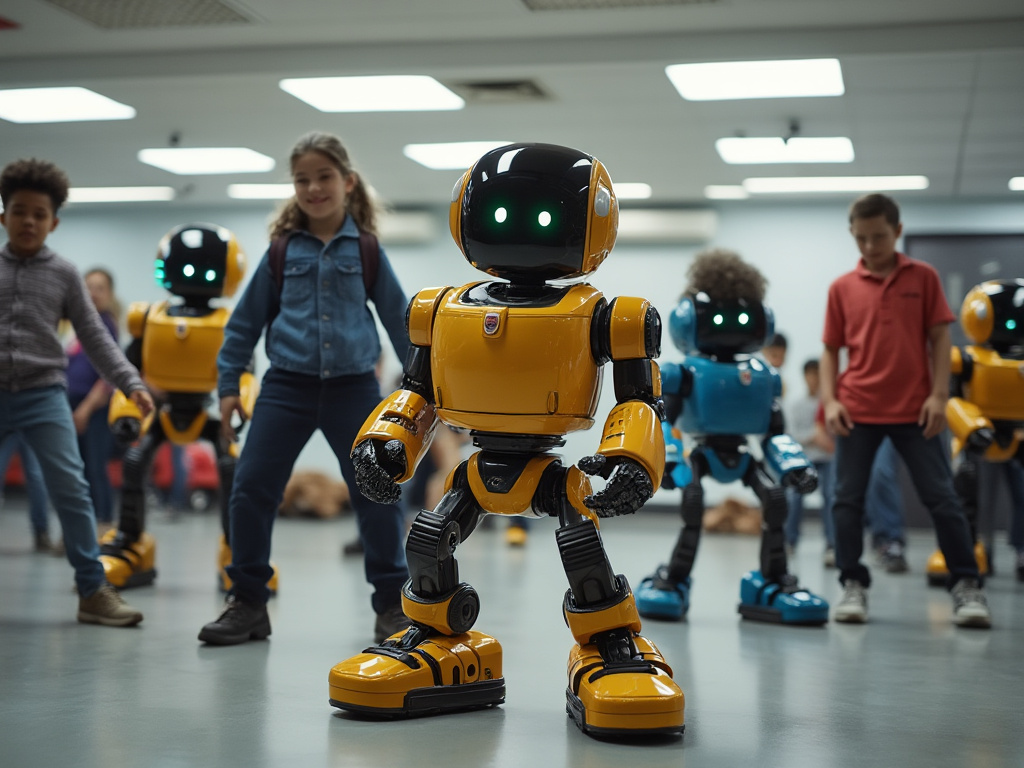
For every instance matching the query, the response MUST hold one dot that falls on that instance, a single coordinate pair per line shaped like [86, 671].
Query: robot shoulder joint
[137, 312]
[627, 328]
[420, 314]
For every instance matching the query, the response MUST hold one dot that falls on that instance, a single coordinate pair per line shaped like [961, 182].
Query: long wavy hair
[360, 204]
[723, 275]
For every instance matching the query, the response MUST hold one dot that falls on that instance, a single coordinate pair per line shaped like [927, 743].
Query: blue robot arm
[786, 461]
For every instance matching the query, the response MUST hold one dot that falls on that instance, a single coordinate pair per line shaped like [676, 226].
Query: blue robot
[723, 395]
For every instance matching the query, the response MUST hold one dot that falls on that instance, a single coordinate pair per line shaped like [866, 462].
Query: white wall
[800, 248]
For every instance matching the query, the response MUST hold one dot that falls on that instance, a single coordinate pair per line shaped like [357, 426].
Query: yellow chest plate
[996, 385]
[524, 370]
[179, 354]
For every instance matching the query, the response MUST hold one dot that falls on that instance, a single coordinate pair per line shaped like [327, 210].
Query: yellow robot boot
[619, 683]
[435, 666]
[937, 571]
[128, 564]
[224, 560]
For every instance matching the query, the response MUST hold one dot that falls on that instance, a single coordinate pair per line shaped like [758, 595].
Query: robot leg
[439, 664]
[619, 683]
[772, 593]
[965, 482]
[666, 593]
[128, 553]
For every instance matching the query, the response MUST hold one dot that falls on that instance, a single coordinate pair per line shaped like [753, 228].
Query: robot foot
[782, 601]
[938, 573]
[224, 560]
[657, 597]
[128, 563]
[420, 672]
[621, 685]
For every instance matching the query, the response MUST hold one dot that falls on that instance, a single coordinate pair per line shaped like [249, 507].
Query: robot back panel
[179, 353]
[729, 398]
[516, 369]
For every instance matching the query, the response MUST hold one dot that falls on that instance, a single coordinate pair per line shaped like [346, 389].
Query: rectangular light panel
[725, 192]
[119, 194]
[382, 93]
[795, 78]
[1017, 183]
[826, 149]
[455, 155]
[60, 105]
[798, 184]
[194, 161]
[632, 190]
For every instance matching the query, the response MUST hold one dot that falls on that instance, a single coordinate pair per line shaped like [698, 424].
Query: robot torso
[179, 351]
[996, 385]
[733, 398]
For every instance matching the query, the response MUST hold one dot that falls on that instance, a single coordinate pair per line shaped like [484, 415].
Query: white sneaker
[853, 605]
[970, 608]
[828, 559]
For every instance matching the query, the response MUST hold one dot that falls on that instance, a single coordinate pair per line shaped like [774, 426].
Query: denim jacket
[323, 325]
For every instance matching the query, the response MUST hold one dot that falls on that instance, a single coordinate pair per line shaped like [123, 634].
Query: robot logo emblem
[745, 376]
[181, 330]
[491, 322]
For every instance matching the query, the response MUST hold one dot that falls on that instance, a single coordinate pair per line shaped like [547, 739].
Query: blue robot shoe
[781, 601]
[659, 598]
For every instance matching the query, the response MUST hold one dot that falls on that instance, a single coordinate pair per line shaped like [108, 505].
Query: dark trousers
[96, 445]
[289, 409]
[929, 467]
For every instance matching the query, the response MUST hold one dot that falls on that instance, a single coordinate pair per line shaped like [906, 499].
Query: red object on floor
[200, 463]
[15, 475]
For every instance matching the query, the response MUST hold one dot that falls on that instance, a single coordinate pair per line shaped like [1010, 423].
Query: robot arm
[398, 433]
[676, 385]
[971, 430]
[787, 462]
[631, 455]
[125, 419]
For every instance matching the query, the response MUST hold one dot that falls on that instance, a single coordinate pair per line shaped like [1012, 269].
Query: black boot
[240, 621]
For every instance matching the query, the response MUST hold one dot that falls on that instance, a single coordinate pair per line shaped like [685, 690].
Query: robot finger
[627, 490]
[597, 465]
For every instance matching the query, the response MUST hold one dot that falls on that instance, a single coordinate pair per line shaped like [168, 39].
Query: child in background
[323, 345]
[803, 425]
[37, 289]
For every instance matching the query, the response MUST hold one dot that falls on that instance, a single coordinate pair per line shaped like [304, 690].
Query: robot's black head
[730, 328]
[199, 261]
[993, 314]
[524, 213]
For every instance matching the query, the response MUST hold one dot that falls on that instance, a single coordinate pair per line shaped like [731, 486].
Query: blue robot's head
[722, 329]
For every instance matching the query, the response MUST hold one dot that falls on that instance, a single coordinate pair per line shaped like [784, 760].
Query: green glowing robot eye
[1011, 324]
[188, 270]
[718, 319]
[744, 317]
[544, 218]
[500, 214]
[211, 275]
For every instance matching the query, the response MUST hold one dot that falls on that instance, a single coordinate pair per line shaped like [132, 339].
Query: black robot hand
[126, 430]
[628, 485]
[804, 479]
[980, 439]
[373, 460]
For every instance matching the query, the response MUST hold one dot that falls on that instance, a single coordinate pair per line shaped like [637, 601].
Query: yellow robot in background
[517, 361]
[986, 409]
[175, 346]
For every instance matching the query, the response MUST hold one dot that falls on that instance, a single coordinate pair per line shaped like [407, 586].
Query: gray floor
[907, 690]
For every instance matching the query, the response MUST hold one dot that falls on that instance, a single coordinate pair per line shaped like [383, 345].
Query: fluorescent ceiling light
[60, 105]
[1017, 183]
[261, 191]
[456, 155]
[119, 194]
[740, 151]
[725, 192]
[386, 93]
[757, 79]
[799, 184]
[645, 225]
[632, 190]
[207, 160]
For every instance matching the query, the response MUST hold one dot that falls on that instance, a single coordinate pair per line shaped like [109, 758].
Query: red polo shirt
[884, 325]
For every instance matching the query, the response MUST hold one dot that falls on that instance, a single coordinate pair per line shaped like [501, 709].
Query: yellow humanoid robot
[175, 347]
[517, 361]
[986, 409]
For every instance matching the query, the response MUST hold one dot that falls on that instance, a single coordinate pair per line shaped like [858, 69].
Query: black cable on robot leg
[685, 552]
[591, 579]
[774, 510]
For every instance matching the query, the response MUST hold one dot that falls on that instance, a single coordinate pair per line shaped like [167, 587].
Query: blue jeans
[38, 501]
[43, 417]
[929, 467]
[883, 505]
[289, 409]
[96, 445]
[795, 501]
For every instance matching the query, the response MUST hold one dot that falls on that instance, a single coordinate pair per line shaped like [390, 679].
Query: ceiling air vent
[151, 14]
[581, 5]
[499, 91]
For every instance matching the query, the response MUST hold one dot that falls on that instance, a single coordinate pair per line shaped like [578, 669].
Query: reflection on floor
[907, 690]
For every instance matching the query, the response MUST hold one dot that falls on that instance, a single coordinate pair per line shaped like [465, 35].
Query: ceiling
[933, 87]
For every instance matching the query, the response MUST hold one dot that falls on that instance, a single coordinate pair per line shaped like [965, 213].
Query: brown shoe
[105, 606]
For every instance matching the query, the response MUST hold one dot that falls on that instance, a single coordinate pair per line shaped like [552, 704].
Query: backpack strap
[278, 250]
[369, 255]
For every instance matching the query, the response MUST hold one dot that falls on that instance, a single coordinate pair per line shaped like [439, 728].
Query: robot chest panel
[515, 369]
[179, 354]
[728, 398]
[997, 386]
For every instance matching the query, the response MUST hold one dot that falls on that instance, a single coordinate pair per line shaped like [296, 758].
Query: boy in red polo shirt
[891, 315]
